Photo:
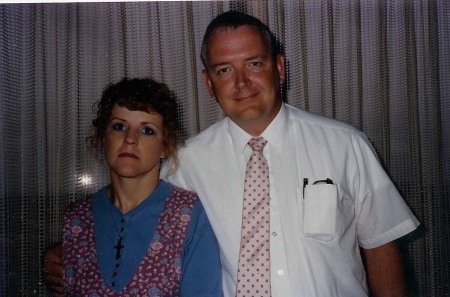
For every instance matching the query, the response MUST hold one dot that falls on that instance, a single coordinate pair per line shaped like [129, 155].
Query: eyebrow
[257, 56]
[116, 118]
[219, 64]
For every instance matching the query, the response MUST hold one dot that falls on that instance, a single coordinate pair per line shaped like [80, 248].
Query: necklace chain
[119, 246]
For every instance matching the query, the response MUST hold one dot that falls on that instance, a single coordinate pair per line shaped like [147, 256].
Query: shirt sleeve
[383, 214]
[201, 272]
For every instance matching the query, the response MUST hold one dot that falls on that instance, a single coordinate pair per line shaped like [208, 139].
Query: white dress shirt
[316, 229]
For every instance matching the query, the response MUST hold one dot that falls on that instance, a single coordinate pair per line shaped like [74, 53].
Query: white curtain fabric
[383, 66]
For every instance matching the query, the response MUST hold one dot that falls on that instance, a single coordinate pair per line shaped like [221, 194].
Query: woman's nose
[131, 137]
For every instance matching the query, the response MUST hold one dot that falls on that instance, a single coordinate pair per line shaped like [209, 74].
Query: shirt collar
[161, 192]
[275, 133]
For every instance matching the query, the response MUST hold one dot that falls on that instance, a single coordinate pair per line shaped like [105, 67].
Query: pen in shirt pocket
[327, 181]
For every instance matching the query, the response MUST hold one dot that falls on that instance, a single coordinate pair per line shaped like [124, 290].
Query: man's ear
[281, 66]
[208, 83]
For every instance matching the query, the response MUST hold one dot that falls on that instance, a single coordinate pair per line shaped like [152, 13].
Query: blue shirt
[201, 270]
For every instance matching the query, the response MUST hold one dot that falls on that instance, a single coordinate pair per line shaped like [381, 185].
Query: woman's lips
[128, 155]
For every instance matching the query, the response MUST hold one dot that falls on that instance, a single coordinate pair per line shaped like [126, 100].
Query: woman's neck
[127, 193]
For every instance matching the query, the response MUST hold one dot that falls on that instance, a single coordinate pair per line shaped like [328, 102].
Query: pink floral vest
[159, 272]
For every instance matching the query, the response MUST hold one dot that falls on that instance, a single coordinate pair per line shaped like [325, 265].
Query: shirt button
[274, 233]
[280, 272]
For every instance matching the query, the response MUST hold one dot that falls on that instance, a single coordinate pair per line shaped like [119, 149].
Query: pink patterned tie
[254, 256]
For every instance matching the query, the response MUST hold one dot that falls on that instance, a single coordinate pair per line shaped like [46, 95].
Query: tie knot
[257, 144]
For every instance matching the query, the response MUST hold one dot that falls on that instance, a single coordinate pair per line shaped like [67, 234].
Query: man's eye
[222, 71]
[255, 64]
[118, 127]
[148, 131]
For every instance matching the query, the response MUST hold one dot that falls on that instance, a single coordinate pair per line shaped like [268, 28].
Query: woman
[139, 236]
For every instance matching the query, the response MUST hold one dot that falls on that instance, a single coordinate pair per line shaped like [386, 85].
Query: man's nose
[242, 79]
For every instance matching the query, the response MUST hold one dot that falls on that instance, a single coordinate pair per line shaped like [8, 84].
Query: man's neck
[257, 126]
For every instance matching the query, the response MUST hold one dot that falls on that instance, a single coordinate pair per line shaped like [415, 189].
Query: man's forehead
[244, 29]
[232, 29]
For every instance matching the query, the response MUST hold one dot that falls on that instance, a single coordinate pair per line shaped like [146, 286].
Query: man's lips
[128, 155]
[243, 98]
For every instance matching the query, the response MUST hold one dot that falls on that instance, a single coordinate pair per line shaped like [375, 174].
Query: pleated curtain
[383, 66]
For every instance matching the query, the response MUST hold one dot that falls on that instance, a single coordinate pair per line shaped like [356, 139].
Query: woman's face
[134, 143]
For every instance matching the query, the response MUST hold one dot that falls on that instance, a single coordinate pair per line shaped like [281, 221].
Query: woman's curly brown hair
[144, 95]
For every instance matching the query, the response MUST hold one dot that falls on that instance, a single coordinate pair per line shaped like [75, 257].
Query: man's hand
[52, 269]
[385, 270]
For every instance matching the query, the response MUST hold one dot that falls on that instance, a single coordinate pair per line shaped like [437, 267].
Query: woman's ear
[164, 153]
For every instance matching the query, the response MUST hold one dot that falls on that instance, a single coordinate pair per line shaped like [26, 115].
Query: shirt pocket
[320, 207]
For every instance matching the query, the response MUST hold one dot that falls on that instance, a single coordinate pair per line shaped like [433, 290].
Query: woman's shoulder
[186, 198]
[80, 204]
[183, 192]
[87, 200]
[191, 200]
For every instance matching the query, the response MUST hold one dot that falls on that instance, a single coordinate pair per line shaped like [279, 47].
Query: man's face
[244, 78]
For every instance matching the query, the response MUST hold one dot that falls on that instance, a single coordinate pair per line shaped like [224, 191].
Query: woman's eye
[118, 127]
[148, 131]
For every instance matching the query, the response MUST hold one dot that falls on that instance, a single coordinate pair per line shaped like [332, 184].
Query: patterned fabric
[160, 270]
[254, 256]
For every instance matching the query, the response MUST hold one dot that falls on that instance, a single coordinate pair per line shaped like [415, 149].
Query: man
[329, 196]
